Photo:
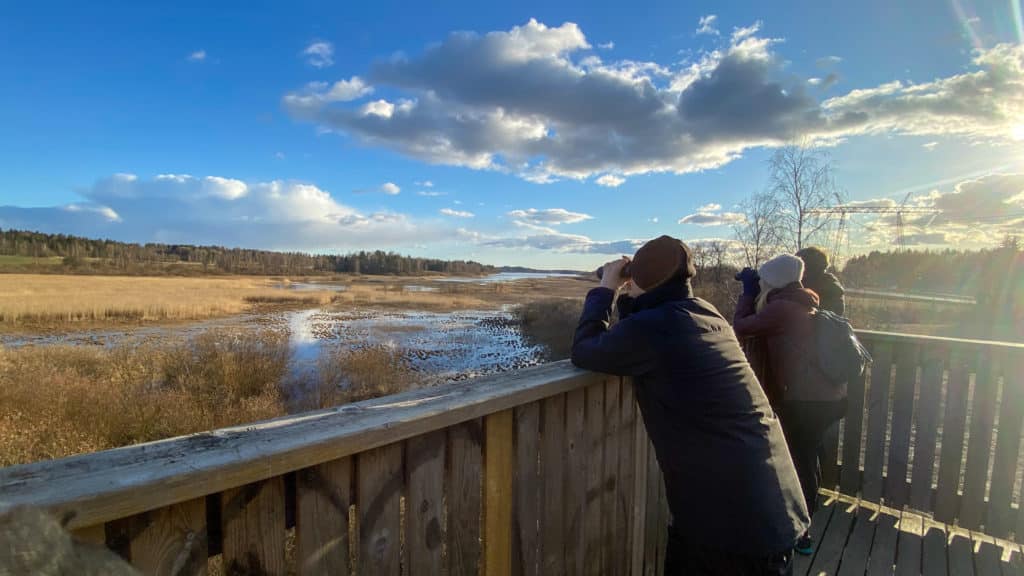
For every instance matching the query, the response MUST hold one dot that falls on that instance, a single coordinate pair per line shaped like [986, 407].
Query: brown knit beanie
[815, 259]
[659, 260]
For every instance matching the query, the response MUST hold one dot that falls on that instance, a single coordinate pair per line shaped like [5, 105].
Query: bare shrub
[355, 374]
[551, 323]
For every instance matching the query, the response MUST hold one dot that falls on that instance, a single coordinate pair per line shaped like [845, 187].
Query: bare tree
[761, 231]
[802, 181]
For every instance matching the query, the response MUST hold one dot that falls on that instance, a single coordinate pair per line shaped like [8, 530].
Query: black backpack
[840, 355]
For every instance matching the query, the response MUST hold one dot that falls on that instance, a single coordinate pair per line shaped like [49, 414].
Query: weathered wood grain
[933, 549]
[498, 456]
[652, 520]
[527, 488]
[902, 419]
[96, 534]
[575, 480]
[253, 528]
[323, 497]
[983, 416]
[594, 442]
[611, 535]
[878, 411]
[553, 453]
[947, 498]
[909, 544]
[627, 477]
[927, 421]
[424, 516]
[853, 428]
[465, 487]
[1004, 468]
[378, 492]
[639, 515]
[171, 540]
[960, 553]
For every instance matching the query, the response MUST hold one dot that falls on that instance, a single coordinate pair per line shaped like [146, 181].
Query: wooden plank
[652, 528]
[833, 541]
[882, 558]
[983, 416]
[323, 498]
[960, 553]
[954, 420]
[611, 535]
[639, 516]
[527, 487]
[594, 442]
[853, 427]
[663, 522]
[465, 445]
[1004, 469]
[120, 483]
[253, 528]
[91, 534]
[379, 483]
[424, 508]
[902, 417]
[498, 456]
[171, 540]
[553, 462]
[927, 426]
[575, 479]
[627, 477]
[933, 549]
[855, 555]
[878, 410]
[1014, 561]
[819, 524]
[986, 556]
[909, 544]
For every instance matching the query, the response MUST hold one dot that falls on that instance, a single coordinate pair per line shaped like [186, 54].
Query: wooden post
[498, 455]
[324, 494]
[378, 492]
[464, 503]
[627, 472]
[553, 465]
[575, 480]
[527, 487]
[592, 542]
[639, 513]
[611, 529]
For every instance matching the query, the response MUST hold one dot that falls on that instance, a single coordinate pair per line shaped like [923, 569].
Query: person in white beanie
[775, 311]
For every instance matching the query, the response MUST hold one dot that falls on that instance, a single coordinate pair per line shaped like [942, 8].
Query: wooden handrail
[899, 338]
[117, 483]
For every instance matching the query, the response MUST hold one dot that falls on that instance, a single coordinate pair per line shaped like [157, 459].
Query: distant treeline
[84, 255]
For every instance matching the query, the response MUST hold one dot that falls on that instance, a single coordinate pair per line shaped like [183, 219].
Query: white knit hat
[781, 271]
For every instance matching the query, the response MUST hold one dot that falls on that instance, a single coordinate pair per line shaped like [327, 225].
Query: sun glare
[1017, 132]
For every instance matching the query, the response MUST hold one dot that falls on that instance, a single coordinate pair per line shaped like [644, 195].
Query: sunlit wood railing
[546, 470]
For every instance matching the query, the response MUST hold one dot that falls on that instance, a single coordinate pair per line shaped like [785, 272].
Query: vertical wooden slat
[553, 452]
[611, 535]
[853, 426]
[953, 427]
[639, 515]
[253, 528]
[96, 534]
[378, 492]
[324, 494]
[652, 528]
[498, 456]
[527, 487]
[627, 472]
[171, 540]
[464, 488]
[575, 479]
[592, 541]
[983, 414]
[663, 522]
[1004, 469]
[878, 410]
[902, 417]
[927, 430]
[424, 459]
[908, 548]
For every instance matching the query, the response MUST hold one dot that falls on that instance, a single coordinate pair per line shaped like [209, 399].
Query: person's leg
[798, 427]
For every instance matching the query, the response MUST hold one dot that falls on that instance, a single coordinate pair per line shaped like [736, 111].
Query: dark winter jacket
[830, 292]
[783, 334]
[728, 474]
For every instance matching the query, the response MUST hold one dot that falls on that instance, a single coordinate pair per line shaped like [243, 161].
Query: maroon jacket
[780, 343]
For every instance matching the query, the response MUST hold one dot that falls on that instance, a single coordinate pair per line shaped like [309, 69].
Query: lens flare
[968, 21]
[1018, 21]
[1017, 132]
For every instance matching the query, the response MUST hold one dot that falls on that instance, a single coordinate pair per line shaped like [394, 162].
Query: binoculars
[625, 271]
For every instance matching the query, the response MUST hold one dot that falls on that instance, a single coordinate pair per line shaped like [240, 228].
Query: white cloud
[431, 193]
[828, 61]
[712, 218]
[535, 102]
[552, 240]
[712, 207]
[549, 216]
[390, 188]
[317, 94]
[610, 181]
[319, 54]
[606, 46]
[197, 56]
[456, 213]
[653, 220]
[706, 25]
[930, 145]
[425, 184]
[181, 208]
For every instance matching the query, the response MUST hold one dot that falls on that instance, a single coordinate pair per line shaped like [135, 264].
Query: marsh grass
[355, 374]
[551, 324]
[57, 401]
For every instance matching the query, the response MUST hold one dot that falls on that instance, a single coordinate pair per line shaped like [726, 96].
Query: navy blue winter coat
[729, 477]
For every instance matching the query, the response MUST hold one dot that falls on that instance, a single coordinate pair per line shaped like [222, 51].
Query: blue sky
[520, 133]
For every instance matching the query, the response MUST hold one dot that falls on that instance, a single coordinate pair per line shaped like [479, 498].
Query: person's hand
[633, 290]
[751, 281]
[612, 276]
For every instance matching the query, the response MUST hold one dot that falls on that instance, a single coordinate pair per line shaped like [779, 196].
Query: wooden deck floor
[858, 538]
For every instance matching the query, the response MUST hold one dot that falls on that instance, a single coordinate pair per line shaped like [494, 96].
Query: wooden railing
[546, 470]
[542, 471]
[936, 426]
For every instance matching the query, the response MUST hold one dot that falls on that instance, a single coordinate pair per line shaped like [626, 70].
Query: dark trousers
[804, 424]
[684, 560]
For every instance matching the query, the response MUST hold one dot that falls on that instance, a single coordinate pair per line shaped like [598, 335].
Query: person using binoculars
[735, 499]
